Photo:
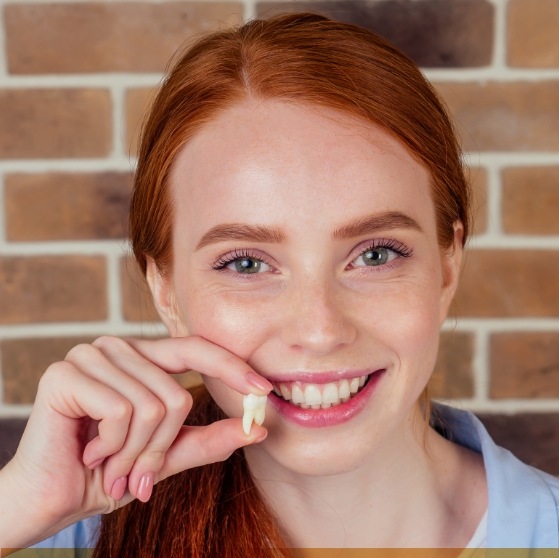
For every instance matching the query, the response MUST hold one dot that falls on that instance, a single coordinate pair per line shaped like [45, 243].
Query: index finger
[176, 355]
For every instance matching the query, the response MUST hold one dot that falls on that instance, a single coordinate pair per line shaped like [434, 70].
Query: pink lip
[317, 377]
[320, 418]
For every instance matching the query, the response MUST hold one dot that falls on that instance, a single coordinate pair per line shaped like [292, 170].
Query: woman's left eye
[376, 256]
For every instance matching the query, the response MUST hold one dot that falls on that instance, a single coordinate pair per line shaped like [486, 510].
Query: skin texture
[316, 307]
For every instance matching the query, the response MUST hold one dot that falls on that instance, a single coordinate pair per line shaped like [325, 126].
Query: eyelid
[401, 249]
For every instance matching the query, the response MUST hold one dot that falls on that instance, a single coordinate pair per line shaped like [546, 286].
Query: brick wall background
[75, 77]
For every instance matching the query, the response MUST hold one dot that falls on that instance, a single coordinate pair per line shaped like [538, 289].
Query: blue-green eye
[377, 256]
[247, 265]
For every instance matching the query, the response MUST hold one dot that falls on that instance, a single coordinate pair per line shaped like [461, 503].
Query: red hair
[307, 59]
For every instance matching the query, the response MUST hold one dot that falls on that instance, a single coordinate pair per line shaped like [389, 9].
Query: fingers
[176, 355]
[200, 445]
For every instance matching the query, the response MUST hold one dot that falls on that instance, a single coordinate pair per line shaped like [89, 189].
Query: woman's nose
[317, 319]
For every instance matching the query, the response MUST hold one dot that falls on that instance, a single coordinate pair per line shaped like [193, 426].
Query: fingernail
[119, 488]
[259, 382]
[145, 487]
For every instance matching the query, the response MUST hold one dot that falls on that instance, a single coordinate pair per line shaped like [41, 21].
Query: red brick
[52, 289]
[106, 36]
[434, 33]
[509, 283]
[137, 303]
[530, 200]
[524, 365]
[532, 33]
[532, 437]
[25, 360]
[498, 116]
[51, 123]
[453, 376]
[67, 206]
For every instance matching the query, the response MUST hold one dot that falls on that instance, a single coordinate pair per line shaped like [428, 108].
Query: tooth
[254, 407]
[354, 385]
[285, 392]
[303, 406]
[362, 381]
[312, 395]
[277, 391]
[344, 390]
[330, 394]
[315, 406]
[297, 394]
[326, 405]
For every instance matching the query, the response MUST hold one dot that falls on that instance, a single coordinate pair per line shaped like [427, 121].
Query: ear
[451, 261]
[163, 294]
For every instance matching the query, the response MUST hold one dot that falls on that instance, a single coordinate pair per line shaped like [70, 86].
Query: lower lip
[320, 418]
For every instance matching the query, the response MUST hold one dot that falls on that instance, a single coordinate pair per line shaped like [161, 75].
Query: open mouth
[320, 396]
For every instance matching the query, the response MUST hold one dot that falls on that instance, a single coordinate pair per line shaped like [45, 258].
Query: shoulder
[83, 534]
[523, 507]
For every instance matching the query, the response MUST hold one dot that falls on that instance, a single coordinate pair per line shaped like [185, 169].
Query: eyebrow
[389, 220]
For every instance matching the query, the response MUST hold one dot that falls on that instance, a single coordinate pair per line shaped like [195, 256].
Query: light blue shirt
[523, 510]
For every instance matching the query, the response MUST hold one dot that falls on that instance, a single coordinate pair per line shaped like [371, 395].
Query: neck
[400, 496]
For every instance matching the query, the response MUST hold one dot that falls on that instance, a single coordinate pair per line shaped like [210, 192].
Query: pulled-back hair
[306, 59]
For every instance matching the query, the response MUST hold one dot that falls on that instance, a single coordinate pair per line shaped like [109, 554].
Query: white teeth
[312, 395]
[254, 407]
[320, 396]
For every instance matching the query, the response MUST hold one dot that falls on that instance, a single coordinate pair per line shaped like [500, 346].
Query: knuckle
[56, 374]
[152, 410]
[110, 344]
[81, 352]
[121, 409]
[180, 401]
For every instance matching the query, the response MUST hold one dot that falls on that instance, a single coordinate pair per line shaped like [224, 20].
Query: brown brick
[67, 206]
[478, 180]
[524, 365]
[52, 289]
[106, 36]
[434, 33]
[532, 33]
[513, 116]
[137, 104]
[47, 123]
[530, 200]
[25, 360]
[509, 283]
[533, 437]
[453, 377]
[137, 304]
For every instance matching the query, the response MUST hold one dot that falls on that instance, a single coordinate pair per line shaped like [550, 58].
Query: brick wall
[74, 80]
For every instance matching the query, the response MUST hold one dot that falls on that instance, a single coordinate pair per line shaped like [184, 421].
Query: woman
[300, 212]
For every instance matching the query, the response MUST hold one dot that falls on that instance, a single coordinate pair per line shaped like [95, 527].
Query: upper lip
[319, 376]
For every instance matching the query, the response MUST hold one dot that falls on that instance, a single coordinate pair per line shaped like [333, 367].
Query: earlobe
[162, 292]
[451, 266]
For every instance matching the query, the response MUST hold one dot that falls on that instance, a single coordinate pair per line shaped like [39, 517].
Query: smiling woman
[300, 212]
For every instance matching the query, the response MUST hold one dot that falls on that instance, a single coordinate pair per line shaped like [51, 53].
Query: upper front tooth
[330, 393]
[286, 394]
[354, 385]
[312, 395]
[344, 389]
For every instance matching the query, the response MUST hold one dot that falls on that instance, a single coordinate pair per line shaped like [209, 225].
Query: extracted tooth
[254, 407]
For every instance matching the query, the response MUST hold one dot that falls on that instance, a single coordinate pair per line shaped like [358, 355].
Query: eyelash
[398, 248]
[238, 254]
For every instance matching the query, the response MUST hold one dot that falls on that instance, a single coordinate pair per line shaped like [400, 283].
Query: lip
[318, 377]
[321, 418]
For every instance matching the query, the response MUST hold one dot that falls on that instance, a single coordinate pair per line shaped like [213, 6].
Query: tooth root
[248, 417]
[259, 415]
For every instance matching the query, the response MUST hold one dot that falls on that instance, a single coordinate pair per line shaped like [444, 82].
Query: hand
[107, 425]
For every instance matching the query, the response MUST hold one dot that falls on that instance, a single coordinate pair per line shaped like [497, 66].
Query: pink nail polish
[259, 382]
[119, 488]
[145, 487]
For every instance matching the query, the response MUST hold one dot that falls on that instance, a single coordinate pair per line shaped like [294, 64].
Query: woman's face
[305, 243]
